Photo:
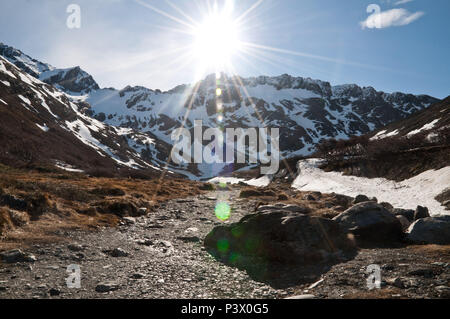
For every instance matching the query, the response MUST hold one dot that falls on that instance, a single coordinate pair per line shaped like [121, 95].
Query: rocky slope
[40, 125]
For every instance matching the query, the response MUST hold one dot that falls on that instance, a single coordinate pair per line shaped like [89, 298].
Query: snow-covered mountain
[72, 81]
[40, 124]
[306, 111]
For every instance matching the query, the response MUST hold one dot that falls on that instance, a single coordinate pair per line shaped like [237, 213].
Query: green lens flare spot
[223, 245]
[223, 185]
[237, 231]
[223, 211]
[234, 258]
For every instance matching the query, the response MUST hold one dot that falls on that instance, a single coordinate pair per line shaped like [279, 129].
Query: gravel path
[162, 256]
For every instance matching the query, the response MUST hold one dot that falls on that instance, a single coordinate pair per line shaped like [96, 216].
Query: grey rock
[129, 220]
[107, 286]
[16, 255]
[388, 206]
[310, 197]
[404, 221]
[408, 213]
[370, 223]
[280, 236]
[118, 252]
[361, 199]
[54, 292]
[431, 230]
[421, 212]
[137, 275]
[75, 247]
[142, 211]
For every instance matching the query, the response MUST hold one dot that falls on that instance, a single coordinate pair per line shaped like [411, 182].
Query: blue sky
[122, 42]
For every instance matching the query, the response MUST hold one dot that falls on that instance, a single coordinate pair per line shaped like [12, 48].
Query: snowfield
[408, 194]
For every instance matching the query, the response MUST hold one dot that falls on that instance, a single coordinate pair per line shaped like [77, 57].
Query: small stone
[142, 211]
[75, 247]
[137, 275]
[399, 283]
[107, 286]
[129, 220]
[189, 239]
[119, 252]
[144, 242]
[54, 292]
[16, 256]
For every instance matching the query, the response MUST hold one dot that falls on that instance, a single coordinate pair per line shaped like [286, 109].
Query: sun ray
[176, 8]
[186, 116]
[163, 13]
[246, 13]
[142, 58]
[313, 56]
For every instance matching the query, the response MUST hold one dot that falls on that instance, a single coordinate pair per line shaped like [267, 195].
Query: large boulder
[431, 230]
[370, 223]
[279, 237]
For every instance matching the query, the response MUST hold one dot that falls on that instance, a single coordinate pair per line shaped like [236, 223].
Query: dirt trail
[162, 256]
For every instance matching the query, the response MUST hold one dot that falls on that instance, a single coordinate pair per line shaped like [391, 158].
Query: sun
[216, 40]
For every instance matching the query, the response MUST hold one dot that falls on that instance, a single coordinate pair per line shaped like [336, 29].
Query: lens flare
[223, 245]
[223, 211]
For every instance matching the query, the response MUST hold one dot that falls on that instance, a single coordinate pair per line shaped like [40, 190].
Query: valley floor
[162, 256]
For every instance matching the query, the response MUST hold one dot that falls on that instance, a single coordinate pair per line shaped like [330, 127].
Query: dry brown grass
[433, 251]
[68, 201]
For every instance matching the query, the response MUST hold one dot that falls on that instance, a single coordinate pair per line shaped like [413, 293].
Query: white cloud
[390, 18]
[402, 2]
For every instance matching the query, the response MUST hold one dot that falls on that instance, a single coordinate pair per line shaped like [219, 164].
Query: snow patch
[408, 194]
[27, 101]
[68, 167]
[44, 127]
[426, 127]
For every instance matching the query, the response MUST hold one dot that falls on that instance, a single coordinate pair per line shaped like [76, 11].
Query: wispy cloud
[402, 2]
[391, 18]
[396, 2]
